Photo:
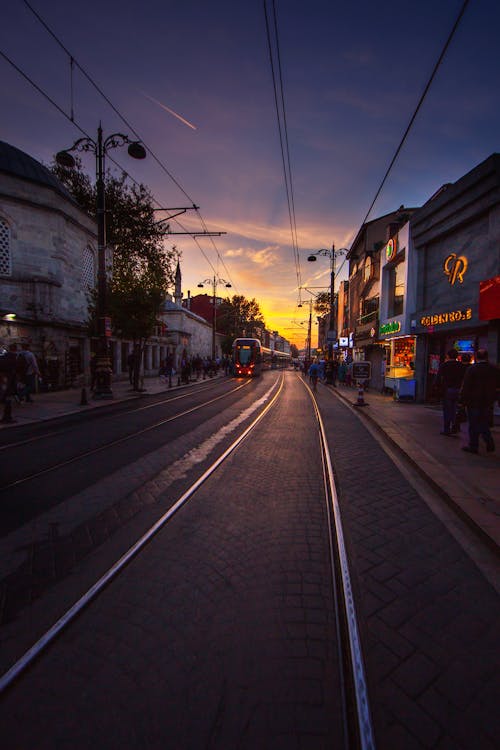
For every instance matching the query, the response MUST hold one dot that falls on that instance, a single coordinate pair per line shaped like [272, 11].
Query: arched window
[5, 252]
[88, 268]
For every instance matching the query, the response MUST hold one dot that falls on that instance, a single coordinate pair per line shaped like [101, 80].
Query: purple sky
[352, 72]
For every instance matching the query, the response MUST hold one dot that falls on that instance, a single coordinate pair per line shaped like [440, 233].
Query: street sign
[361, 370]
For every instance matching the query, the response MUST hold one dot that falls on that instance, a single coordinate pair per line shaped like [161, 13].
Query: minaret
[178, 286]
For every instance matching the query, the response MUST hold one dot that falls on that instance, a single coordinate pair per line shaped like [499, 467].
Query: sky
[194, 80]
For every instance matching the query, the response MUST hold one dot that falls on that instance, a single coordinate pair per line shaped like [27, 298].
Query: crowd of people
[194, 367]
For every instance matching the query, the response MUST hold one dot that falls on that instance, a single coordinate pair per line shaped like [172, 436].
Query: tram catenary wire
[118, 441]
[51, 634]
[360, 731]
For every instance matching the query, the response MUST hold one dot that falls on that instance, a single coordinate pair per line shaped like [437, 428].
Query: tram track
[358, 731]
[356, 706]
[113, 443]
[50, 635]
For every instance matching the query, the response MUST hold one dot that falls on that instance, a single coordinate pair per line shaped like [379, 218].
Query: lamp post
[333, 255]
[64, 158]
[214, 281]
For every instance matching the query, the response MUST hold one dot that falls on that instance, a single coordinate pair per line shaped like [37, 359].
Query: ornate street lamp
[333, 255]
[214, 281]
[100, 147]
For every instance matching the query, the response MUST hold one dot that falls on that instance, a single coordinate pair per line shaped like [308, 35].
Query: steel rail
[123, 439]
[54, 433]
[364, 727]
[50, 635]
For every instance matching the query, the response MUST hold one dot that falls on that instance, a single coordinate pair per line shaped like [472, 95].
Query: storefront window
[397, 289]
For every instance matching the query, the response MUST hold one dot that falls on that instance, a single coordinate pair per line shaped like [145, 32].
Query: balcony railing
[367, 318]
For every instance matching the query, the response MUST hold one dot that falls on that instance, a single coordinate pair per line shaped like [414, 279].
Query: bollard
[361, 401]
[7, 412]
[83, 399]
[178, 380]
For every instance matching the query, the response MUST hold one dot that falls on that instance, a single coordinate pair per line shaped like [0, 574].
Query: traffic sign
[361, 370]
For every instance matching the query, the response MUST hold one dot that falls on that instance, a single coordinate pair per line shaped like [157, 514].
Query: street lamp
[333, 255]
[214, 281]
[137, 151]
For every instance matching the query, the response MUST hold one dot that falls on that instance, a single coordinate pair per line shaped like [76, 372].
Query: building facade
[48, 264]
[364, 259]
[456, 239]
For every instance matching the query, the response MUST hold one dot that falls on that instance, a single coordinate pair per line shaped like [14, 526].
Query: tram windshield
[244, 354]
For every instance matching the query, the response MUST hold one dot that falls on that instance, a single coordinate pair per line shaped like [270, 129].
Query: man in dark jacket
[478, 393]
[449, 380]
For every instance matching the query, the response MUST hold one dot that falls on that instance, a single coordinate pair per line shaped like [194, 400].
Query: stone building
[47, 263]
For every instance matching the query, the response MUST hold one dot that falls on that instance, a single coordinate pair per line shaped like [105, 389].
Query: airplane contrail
[171, 111]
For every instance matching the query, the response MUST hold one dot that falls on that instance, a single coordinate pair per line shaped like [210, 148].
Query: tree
[322, 304]
[238, 316]
[143, 268]
[294, 351]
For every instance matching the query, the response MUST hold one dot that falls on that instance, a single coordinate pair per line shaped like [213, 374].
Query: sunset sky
[193, 79]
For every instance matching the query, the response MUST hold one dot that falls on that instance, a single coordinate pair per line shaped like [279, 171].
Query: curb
[474, 525]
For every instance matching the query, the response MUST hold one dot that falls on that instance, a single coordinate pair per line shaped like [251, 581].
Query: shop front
[456, 236]
[399, 378]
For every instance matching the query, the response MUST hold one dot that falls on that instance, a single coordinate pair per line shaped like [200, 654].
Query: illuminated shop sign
[393, 327]
[391, 249]
[440, 319]
[455, 267]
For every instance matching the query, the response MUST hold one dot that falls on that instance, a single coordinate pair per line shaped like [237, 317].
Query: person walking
[478, 393]
[314, 374]
[31, 373]
[449, 380]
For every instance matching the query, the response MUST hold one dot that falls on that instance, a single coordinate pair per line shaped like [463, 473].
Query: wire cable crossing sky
[284, 162]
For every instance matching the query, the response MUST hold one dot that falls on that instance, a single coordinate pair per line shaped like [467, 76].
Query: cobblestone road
[221, 634]
[431, 621]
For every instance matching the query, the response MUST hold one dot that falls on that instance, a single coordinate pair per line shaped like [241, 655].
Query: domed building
[48, 261]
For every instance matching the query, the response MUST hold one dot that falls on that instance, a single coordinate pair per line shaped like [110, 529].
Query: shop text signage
[455, 267]
[440, 319]
[393, 327]
[391, 249]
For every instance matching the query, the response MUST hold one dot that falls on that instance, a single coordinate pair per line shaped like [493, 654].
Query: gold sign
[455, 267]
[440, 319]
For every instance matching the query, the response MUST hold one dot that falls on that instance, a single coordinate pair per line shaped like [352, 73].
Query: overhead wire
[74, 62]
[417, 108]
[283, 133]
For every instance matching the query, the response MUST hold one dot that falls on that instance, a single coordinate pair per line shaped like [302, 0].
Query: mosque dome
[19, 164]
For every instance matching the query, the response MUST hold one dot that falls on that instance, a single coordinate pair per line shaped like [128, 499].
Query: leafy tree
[294, 351]
[322, 304]
[143, 268]
[238, 316]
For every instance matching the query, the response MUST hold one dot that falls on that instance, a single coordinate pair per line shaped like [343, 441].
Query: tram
[247, 357]
[250, 357]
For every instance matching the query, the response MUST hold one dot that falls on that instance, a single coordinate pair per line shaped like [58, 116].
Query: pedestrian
[449, 380]
[31, 373]
[478, 393]
[8, 369]
[314, 374]
[130, 365]
[461, 415]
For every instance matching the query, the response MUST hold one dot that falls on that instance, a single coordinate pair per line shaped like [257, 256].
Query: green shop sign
[393, 327]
